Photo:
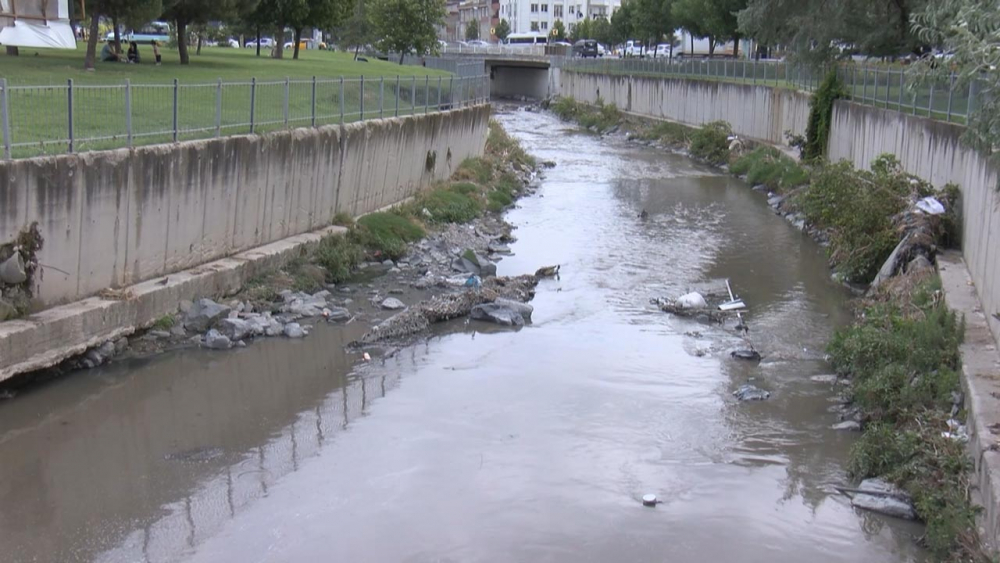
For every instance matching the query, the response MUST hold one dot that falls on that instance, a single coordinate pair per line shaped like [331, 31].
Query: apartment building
[485, 14]
[525, 16]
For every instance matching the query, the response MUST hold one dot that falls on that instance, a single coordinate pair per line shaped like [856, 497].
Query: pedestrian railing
[884, 86]
[38, 120]
[510, 50]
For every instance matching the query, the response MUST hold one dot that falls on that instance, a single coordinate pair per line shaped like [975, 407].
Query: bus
[152, 31]
[526, 39]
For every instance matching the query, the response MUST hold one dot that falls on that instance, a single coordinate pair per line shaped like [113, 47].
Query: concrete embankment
[208, 213]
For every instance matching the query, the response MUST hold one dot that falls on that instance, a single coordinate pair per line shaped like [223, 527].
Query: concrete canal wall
[208, 213]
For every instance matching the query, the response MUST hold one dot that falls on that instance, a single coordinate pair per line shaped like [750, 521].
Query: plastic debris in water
[474, 281]
[649, 500]
[367, 357]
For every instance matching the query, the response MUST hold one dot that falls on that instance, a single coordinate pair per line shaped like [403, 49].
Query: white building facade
[525, 16]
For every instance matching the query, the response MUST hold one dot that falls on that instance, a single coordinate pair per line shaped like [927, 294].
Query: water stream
[534, 445]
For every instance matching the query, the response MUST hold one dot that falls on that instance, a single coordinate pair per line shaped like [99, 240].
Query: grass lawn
[40, 106]
[55, 66]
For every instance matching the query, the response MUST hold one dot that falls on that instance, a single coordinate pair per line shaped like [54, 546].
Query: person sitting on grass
[109, 53]
[133, 52]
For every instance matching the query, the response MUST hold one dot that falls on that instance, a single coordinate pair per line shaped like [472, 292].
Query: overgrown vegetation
[768, 166]
[902, 355]
[671, 134]
[711, 143]
[15, 300]
[166, 322]
[857, 207]
[820, 116]
[479, 184]
[600, 117]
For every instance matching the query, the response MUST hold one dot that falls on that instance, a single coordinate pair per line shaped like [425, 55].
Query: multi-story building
[485, 14]
[451, 30]
[525, 16]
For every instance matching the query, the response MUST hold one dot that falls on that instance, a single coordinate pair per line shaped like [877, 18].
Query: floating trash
[649, 500]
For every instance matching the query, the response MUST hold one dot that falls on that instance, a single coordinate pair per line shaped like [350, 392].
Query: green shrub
[857, 206]
[498, 200]
[166, 322]
[821, 116]
[673, 134]
[465, 188]
[386, 234]
[711, 143]
[602, 117]
[566, 108]
[768, 166]
[446, 206]
[880, 450]
[500, 146]
[339, 256]
[477, 169]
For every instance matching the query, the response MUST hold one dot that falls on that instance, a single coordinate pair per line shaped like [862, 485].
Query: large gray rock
[498, 314]
[217, 341]
[234, 329]
[749, 392]
[7, 311]
[919, 264]
[12, 270]
[294, 330]
[884, 499]
[274, 328]
[393, 304]
[338, 314]
[891, 265]
[523, 309]
[203, 315]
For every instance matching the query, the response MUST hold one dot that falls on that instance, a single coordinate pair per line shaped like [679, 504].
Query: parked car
[585, 48]
[477, 43]
[601, 50]
[634, 49]
[265, 42]
[233, 43]
[303, 44]
[562, 43]
[662, 50]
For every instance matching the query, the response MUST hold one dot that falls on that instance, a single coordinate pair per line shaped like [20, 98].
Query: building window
[545, 26]
[534, 26]
[557, 11]
[545, 8]
[534, 8]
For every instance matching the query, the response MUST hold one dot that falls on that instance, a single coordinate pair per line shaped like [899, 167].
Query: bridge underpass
[512, 75]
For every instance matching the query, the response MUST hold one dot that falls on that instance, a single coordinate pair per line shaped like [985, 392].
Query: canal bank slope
[208, 213]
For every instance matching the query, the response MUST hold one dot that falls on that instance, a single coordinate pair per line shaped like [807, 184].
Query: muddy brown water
[483, 445]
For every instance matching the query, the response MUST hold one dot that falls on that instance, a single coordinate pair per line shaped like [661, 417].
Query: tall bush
[820, 116]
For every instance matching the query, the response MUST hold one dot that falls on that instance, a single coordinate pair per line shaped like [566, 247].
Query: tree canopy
[559, 31]
[472, 30]
[502, 30]
[407, 26]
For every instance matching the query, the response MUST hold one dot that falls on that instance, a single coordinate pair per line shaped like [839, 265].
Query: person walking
[156, 52]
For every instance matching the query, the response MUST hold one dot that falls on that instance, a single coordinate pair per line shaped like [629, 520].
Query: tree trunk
[711, 46]
[357, 50]
[258, 41]
[736, 46]
[13, 51]
[118, 35]
[401, 55]
[279, 42]
[90, 59]
[198, 52]
[298, 38]
[182, 41]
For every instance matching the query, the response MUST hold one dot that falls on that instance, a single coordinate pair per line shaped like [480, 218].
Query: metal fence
[71, 117]
[879, 86]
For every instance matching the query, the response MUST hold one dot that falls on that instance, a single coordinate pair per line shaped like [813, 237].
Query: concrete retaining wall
[758, 112]
[116, 218]
[933, 150]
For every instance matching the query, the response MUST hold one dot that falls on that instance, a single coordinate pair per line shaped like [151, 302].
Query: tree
[358, 30]
[407, 25]
[622, 28]
[472, 30]
[132, 12]
[314, 13]
[192, 12]
[502, 30]
[582, 30]
[601, 30]
[689, 15]
[816, 30]
[654, 21]
[970, 31]
[558, 30]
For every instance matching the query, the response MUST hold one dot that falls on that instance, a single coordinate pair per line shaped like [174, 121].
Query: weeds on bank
[672, 134]
[711, 143]
[768, 166]
[601, 117]
[166, 322]
[478, 185]
[857, 207]
[903, 357]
